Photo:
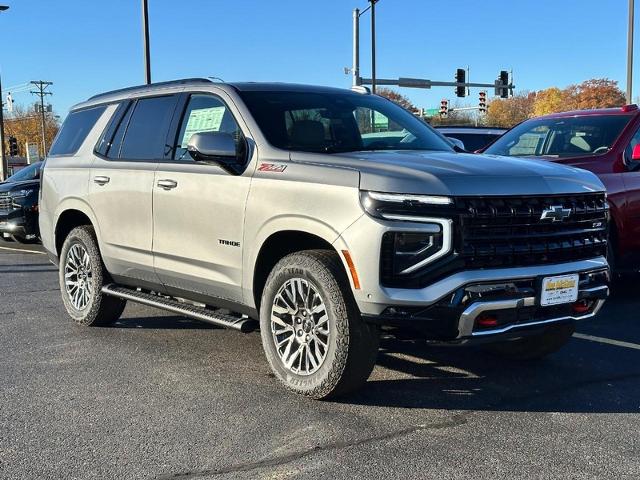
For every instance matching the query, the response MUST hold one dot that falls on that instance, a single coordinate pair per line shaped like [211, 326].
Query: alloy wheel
[78, 276]
[300, 326]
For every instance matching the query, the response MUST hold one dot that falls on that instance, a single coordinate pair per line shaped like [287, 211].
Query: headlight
[405, 207]
[404, 252]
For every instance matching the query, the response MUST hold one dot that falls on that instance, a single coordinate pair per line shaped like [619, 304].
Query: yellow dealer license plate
[560, 289]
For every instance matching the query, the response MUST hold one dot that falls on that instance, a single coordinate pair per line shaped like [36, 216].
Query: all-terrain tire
[100, 309]
[352, 344]
[535, 346]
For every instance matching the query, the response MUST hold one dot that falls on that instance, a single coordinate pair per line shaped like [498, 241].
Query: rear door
[121, 185]
[198, 208]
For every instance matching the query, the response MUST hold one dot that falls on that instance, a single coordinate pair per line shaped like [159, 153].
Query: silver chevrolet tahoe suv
[322, 216]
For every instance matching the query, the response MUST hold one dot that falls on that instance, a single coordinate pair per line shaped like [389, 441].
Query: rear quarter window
[74, 130]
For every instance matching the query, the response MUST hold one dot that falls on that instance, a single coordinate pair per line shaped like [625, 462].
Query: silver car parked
[320, 215]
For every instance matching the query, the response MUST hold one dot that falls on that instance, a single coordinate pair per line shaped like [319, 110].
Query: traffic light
[502, 84]
[444, 107]
[13, 146]
[482, 102]
[461, 77]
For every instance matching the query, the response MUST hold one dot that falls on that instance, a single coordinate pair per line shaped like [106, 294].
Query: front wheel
[82, 276]
[312, 332]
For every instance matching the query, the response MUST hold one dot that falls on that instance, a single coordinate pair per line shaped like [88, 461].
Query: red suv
[604, 141]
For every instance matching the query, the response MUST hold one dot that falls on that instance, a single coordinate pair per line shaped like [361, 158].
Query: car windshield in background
[561, 137]
[474, 141]
[32, 172]
[335, 122]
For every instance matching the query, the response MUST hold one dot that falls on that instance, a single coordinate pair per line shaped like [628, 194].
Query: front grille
[504, 232]
[5, 202]
[509, 231]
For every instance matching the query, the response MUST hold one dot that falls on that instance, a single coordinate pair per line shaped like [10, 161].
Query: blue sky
[86, 47]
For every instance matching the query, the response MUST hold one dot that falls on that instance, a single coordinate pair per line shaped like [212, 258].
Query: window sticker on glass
[202, 120]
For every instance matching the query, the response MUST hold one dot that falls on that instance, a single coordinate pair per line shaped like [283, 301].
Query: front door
[198, 210]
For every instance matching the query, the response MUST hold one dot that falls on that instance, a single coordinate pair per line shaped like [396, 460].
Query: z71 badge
[272, 167]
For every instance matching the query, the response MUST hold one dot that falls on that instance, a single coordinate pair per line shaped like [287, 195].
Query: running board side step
[216, 317]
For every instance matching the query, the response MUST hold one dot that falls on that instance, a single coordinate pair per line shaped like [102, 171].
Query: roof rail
[141, 88]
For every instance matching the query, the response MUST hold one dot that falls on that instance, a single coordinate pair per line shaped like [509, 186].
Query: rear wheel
[82, 276]
[312, 332]
[535, 346]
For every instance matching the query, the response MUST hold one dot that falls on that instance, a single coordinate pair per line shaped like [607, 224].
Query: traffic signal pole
[424, 83]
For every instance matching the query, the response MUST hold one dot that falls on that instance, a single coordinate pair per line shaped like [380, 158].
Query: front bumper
[490, 305]
[21, 222]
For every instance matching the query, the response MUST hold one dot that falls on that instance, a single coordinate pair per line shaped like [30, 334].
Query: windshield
[474, 141]
[561, 137]
[32, 172]
[338, 122]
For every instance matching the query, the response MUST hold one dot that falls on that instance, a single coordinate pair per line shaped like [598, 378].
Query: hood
[449, 173]
[10, 186]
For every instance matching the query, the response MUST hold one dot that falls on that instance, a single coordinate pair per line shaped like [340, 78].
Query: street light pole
[145, 40]
[630, 53]
[355, 71]
[373, 45]
[4, 164]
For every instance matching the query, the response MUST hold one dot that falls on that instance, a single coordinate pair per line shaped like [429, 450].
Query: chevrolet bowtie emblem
[556, 213]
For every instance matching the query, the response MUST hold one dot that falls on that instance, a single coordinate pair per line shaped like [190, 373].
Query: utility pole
[630, 52]
[145, 40]
[373, 45]
[41, 92]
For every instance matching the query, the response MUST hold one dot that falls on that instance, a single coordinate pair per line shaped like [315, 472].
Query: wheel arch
[278, 245]
[70, 216]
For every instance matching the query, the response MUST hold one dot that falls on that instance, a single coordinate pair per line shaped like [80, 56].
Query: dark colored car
[473, 138]
[604, 141]
[19, 205]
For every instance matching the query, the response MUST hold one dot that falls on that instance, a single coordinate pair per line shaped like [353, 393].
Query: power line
[42, 92]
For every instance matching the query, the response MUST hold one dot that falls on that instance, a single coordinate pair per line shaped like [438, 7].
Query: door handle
[101, 180]
[167, 184]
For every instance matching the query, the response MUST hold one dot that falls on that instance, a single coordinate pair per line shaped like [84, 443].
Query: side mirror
[456, 143]
[635, 154]
[215, 147]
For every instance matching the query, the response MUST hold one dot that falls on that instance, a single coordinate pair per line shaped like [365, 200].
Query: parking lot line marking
[609, 341]
[21, 250]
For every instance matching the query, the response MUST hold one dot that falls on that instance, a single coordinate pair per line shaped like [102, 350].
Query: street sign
[32, 153]
[431, 112]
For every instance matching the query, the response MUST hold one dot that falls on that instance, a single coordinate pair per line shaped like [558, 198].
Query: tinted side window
[205, 113]
[74, 130]
[106, 140]
[146, 132]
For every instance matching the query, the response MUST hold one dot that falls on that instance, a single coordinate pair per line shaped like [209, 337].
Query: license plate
[560, 289]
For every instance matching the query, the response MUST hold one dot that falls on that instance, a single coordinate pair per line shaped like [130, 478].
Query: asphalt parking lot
[160, 396]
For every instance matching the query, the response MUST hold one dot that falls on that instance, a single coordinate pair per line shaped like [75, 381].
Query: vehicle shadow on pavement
[470, 379]
[585, 376]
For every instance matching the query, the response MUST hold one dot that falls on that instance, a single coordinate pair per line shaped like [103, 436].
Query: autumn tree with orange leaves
[25, 125]
[594, 93]
[397, 97]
